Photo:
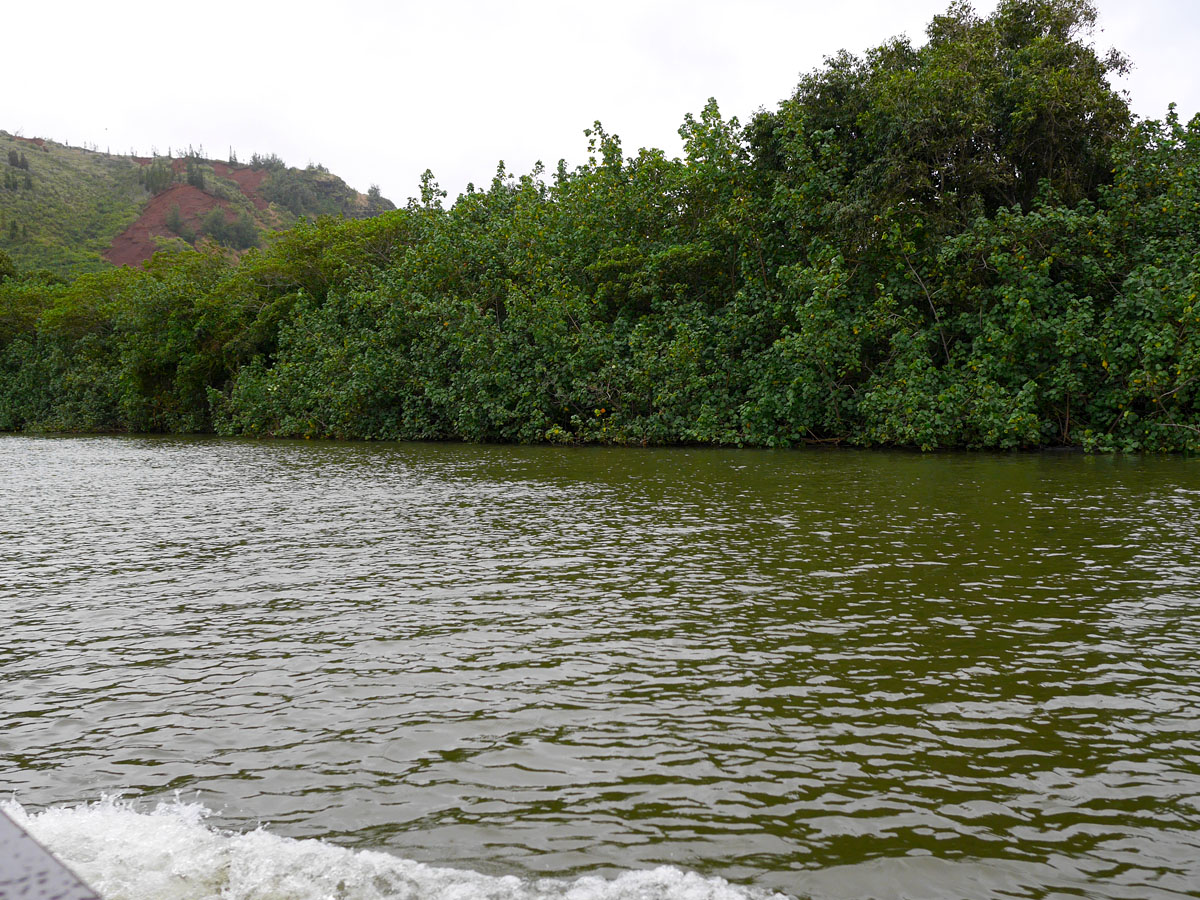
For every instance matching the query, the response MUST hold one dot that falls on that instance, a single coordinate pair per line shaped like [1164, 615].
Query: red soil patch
[246, 178]
[249, 181]
[137, 243]
[40, 143]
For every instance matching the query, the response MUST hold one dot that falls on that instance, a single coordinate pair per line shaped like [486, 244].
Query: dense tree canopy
[969, 242]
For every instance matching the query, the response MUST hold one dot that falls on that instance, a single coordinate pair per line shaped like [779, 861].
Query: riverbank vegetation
[966, 243]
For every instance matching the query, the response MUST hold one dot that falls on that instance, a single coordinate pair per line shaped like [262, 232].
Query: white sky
[379, 91]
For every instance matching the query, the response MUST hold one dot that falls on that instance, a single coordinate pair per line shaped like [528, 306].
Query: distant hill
[74, 210]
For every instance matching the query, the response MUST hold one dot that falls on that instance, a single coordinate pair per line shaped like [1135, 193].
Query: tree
[174, 221]
[432, 194]
[270, 162]
[195, 173]
[975, 120]
[159, 176]
[241, 234]
[215, 225]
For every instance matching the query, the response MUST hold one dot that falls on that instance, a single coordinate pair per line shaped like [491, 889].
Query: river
[289, 669]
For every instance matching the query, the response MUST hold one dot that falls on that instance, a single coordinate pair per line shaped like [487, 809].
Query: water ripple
[826, 674]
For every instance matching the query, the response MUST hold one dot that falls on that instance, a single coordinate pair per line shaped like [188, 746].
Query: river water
[265, 670]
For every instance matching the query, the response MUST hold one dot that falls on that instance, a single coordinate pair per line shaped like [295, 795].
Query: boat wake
[126, 852]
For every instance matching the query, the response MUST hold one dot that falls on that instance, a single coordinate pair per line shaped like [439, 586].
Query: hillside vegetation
[69, 210]
[968, 243]
[60, 207]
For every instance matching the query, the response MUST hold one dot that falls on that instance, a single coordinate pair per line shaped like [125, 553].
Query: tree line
[11, 181]
[966, 243]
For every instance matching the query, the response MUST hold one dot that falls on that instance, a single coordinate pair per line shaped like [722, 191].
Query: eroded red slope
[138, 242]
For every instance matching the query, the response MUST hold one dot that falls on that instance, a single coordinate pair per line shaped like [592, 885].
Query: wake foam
[169, 853]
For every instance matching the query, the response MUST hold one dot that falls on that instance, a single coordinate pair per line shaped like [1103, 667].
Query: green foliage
[213, 224]
[239, 233]
[195, 173]
[69, 204]
[375, 204]
[964, 244]
[271, 162]
[315, 192]
[158, 176]
[174, 221]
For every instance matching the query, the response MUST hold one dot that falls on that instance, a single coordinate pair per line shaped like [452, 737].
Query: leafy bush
[964, 244]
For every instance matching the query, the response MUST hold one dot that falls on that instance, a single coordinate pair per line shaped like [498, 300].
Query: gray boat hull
[28, 871]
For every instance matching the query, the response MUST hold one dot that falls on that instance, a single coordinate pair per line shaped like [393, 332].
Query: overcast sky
[379, 91]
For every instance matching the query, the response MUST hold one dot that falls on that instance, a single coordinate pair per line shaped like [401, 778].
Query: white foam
[169, 853]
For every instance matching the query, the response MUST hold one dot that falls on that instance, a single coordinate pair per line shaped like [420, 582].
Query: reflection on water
[836, 674]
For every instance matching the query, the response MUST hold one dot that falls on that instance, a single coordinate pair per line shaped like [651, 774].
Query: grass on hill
[61, 207]
[66, 213]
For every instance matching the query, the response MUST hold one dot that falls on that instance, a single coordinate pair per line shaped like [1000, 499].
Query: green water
[829, 674]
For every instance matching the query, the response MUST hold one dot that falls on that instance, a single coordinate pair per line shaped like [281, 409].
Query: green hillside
[71, 210]
[60, 207]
